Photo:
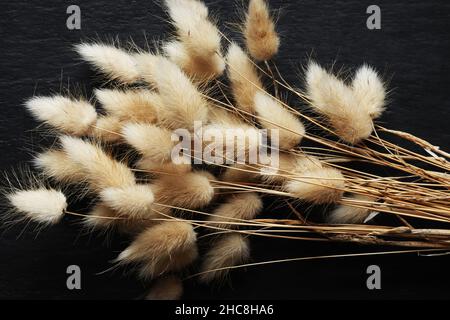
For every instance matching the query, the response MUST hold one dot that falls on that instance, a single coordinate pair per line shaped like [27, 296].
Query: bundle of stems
[165, 203]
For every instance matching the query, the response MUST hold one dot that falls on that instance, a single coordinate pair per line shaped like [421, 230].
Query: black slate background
[411, 50]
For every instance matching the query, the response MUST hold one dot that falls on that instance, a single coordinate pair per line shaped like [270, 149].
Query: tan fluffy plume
[198, 49]
[160, 248]
[153, 142]
[132, 105]
[274, 116]
[183, 103]
[244, 79]
[229, 250]
[69, 116]
[349, 110]
[191, 190]
[101, 170]
[259, 31]
[238, 207]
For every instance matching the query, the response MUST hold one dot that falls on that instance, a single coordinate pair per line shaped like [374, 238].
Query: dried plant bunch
[155, 99]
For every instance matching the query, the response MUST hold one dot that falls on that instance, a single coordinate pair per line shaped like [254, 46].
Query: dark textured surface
[411, 50]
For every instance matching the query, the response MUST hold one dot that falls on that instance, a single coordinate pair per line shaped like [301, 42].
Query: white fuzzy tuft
[229, 250]
[319, 186]
[153, 142]
[40, 205]
[134, 201]
[101, 170]
[274, 116]
[69, 116]
[183, 103]
[349, 110]
[369, 91]
[198, 51]
[115, 63]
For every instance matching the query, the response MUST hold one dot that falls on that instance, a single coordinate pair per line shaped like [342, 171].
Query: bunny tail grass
[168, 246]
[134, 201]
[100, 169]
[244, 79]
[272, 115]
[111, 61]
[229, 250]
[198, 49]
[243, 206]
[41, 205]
[344, 214]
[57, 165]
[132, 105]
[69, 116]
[183, 103]
[319, 186]
[153, 142]
[349, 111]
[191, 190]
[259, 31]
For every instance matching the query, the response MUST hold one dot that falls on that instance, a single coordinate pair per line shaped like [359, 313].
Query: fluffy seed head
[101, 170]
[231, 144]
[198, 51]
[169, 263]
[259, 31]
[369, 90]
[41, 205]
[318, 186]
[103, 217]
[166, 288]
[145, 65]
[107, 129]
[243, 206]
[164, 247]
[274, 116]
[333, 98]
[191, 190]
[56, 164]
[227, 251]
[113, 62]
[244, 79]
[348, 214]
[153, 142]
[132, 105]
[157, 168]
[69, 116]
[183, 103]
[133, 201]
